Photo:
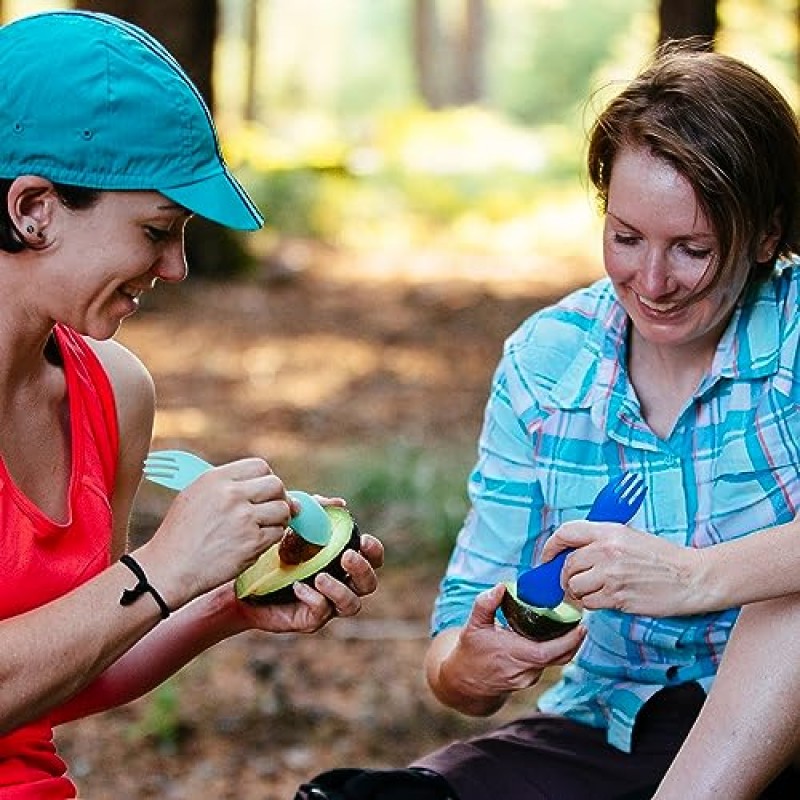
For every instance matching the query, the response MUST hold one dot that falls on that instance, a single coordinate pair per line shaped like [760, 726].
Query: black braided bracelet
[132, 595]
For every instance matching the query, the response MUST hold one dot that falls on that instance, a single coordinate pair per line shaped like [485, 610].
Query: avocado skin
[286, 594]
[532, 622]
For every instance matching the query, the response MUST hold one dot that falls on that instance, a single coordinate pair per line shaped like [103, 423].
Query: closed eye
[700, 253]
[155, 234]
[626, 238]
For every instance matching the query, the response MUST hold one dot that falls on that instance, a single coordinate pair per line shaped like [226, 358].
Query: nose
[171, 264]
[654, 277]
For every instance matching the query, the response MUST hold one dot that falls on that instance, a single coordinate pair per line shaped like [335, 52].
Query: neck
[664, 380]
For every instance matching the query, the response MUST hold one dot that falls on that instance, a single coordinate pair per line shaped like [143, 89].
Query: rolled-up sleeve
[500, 530]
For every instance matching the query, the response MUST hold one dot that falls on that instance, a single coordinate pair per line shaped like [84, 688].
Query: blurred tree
[471, 45]
[188, 29]
[427, 43]
[448, 58]
[251, 78]
[681, 19]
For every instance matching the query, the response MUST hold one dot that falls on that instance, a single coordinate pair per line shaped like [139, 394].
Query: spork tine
[176, 469]
[617, 502]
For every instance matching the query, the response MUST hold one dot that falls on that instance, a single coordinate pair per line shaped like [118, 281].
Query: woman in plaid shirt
[679, 365]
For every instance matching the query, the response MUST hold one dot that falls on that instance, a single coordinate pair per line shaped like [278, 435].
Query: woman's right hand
[474, 669]
[215, 529]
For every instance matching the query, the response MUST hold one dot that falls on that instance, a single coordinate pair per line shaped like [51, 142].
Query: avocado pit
[293, 549]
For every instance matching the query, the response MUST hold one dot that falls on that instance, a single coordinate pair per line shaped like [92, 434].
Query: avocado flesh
[539, 624]
[270, 581]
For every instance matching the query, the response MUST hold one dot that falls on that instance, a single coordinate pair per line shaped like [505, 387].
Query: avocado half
[269, 580]
[539, 624]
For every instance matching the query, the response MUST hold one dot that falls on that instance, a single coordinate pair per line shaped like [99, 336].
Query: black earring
[30, 229]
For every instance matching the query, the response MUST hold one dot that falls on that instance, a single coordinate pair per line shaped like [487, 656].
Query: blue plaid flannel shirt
[562, 419]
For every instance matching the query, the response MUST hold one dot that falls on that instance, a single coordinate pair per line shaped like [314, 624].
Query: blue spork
[617, 502]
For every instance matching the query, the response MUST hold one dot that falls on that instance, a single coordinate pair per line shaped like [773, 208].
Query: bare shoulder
[125, 370]
[134, 391]
[134, 396]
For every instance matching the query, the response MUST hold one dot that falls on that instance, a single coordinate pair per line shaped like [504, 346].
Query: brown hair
[728, 131]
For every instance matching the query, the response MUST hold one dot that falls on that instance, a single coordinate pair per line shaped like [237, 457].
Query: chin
[678, 338]
[104, 331]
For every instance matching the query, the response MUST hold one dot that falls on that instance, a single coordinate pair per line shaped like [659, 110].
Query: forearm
[161, 653]
[49, 653]
[742, 739]
[760, 566]
[442, 669]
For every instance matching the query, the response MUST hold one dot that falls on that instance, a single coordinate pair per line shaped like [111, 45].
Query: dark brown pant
[546, 757]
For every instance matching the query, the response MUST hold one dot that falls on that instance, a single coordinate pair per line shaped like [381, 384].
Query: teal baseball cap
[94, 101]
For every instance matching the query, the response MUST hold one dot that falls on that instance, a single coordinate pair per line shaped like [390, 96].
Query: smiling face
[660, 251]
[108, 255]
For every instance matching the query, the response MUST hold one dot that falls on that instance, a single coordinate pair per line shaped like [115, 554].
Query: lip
[131, 293]
[132, 298]
[657, 311]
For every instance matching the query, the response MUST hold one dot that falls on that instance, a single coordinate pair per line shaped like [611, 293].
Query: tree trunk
[188, 29]
[683, 19]
[449, 62]
[469, 88]
[251, 78]
[427, 44]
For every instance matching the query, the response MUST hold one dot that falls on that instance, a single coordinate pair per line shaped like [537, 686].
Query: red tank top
[41, 560]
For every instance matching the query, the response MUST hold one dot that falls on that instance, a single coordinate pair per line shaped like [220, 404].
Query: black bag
[376, 784]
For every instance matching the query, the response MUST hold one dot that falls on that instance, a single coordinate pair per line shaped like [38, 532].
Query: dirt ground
[322, 351]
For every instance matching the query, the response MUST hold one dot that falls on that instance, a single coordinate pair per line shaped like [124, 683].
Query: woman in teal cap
[107, 150]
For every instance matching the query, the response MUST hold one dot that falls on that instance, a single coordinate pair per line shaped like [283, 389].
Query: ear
[765, 249]
[31, 202]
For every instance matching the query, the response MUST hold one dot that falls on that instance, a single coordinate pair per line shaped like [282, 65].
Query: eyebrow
[175, 207]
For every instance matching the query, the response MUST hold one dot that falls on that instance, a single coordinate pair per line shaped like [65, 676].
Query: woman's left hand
[328, 598]
[621, 568]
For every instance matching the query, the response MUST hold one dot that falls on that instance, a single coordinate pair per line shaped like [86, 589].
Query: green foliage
[160, 721]
[413, 498]
[544, 62]
[349, 57]
[427, 171]
[288, 198]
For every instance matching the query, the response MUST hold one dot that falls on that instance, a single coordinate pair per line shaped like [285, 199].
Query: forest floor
[323, 350]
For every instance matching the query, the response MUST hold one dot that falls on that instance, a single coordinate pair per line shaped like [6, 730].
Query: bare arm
[49, 653]
[218, 615]
[761, 566]
[744, 737]
[154, 658]
[210, 534]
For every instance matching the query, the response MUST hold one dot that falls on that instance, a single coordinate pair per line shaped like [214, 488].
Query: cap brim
[220, 198]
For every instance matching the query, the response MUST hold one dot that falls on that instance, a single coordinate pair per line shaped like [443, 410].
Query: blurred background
[420, 166]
